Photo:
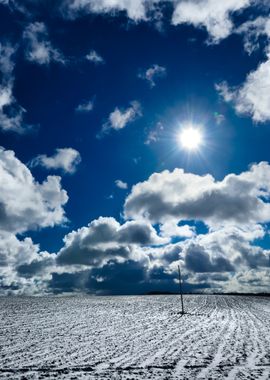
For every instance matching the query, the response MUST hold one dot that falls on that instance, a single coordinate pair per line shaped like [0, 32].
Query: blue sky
[93, 98]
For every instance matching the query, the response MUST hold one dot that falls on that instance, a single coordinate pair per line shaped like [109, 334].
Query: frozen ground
[221, 337]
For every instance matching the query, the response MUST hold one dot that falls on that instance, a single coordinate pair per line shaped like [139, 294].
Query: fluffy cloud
[5, 96]
[107, 257]
[14, 252]
[214, 15]
[121, 185]
[92, 257]
[252, 30]
[94, 57]
[11, 113]
[24, 203]
[85, 106]
[65, 159]
[23, 268]
[198, 260]
[101, 258]
[252, 98]
[216, 259]
[135, 9]
[226, 249]
[237, 199]
[119, 119]
[152, 74]
[248, 281]
[38, 46]
[105, 239]
[171, 229]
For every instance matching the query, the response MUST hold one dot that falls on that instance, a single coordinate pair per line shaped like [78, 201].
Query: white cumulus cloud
[171, 229]
[119, 118]
[65, 159]
[23, 268]
[252, 98]
[104, 239]
[237, 199]
[213, 15]
[24, 203]
[121, 184]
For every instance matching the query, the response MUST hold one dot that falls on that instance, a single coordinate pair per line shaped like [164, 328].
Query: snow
[144, 337]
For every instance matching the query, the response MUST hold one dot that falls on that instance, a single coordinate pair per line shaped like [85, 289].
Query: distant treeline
[158, 292]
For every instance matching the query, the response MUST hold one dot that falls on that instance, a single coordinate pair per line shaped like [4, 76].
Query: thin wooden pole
[181, 290]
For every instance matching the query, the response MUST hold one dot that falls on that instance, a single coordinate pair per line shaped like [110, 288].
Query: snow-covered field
[135, 338]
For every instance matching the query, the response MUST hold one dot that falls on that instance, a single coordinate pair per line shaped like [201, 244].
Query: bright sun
[190, 138]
